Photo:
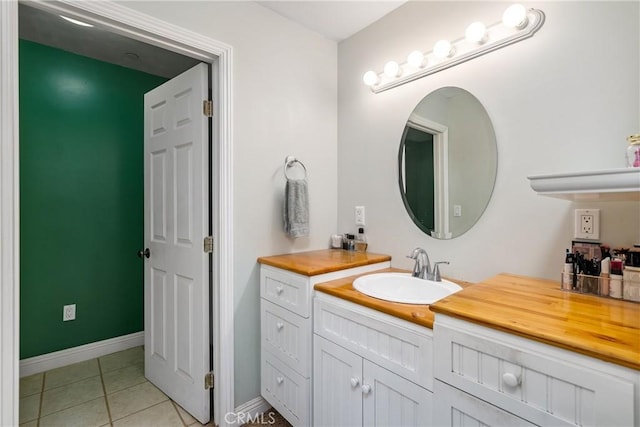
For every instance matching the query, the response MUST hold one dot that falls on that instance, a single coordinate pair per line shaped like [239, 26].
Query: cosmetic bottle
[567, 271]
[605, 268]
[615, 279]
[633, 151]
[348, 243]
[361, 241]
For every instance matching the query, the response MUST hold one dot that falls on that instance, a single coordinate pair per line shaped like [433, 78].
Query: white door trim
[9, 215]
[140, 26]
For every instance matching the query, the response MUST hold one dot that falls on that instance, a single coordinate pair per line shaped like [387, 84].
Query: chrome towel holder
[291, 161]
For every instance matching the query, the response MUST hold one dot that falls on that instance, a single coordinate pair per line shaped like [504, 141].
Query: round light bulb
[392, 69]
[416, 59]
[443, 49]
[476, 33]
[515, 16]
[370, 78]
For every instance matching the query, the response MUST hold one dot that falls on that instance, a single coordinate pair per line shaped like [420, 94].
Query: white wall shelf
[603, 185]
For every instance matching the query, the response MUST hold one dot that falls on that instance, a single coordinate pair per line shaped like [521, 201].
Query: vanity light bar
[517, 24]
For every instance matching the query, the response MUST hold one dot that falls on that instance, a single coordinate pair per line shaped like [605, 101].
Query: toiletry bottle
[615, 279]
[633, 151]
[605, 268]
[349, 243]
[567, 271]
[361, 241]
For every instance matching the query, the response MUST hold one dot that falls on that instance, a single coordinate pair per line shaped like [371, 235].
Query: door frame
[137, 25]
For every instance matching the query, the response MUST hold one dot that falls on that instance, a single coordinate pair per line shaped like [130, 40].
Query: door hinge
[208, 244]
[207, 108]
[208, 381]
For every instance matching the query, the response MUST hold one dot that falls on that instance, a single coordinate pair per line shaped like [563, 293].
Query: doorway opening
[123, 21]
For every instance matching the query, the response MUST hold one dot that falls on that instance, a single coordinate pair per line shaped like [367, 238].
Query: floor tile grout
[143, 409]
[128, 363]
[175, 407]
[104, 391]
[44, 376]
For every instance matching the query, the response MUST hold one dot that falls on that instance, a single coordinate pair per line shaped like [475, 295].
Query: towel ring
[289, 162]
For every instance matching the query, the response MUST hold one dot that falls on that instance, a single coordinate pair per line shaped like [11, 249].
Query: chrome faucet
[422, 267]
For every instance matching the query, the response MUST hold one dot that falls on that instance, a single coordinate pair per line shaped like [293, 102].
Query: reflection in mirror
[447, 162]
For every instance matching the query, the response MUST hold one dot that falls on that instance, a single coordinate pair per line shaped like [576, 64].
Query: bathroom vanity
[286, 291]
[511, 350]
[514, 350]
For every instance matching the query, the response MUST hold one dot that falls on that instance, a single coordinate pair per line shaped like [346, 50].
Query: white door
[337, 385]
[176, 212]
[391, 400]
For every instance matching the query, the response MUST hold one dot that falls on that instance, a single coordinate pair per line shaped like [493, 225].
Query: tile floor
[107, 391]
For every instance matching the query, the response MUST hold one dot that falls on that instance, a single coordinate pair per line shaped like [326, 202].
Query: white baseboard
[57, 359]
[249, 411]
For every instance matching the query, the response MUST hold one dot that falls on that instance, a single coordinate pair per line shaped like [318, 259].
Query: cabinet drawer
[286, 390]
[530, 379]
[398, 349]
[454, 408]
[286, 335]
[286, 289]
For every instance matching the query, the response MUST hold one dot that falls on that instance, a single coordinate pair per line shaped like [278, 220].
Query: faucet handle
[436, 270]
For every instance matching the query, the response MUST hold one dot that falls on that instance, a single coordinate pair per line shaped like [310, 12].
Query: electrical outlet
[457, 210]
[69, 312]
[360, 215]
[587, 224]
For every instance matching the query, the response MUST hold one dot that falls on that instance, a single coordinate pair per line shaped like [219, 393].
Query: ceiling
[48, 29]
[336, 20]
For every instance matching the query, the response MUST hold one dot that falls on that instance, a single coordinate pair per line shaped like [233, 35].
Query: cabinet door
[337, 381]
[455, 408]
[390, 400]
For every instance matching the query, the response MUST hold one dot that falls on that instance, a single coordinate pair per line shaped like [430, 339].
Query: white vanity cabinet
[369, 369]
[286, 337]
[488, 377]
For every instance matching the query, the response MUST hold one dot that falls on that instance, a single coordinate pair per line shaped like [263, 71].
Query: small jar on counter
[633, 151]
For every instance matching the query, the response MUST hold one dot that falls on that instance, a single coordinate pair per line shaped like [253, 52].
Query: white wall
[285, 89]
[561, 101]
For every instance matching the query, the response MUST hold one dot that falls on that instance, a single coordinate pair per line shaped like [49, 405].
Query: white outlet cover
[69, 312]
[595, 232]
[359, 214]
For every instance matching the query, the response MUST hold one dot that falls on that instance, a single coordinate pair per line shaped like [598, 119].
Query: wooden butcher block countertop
[537, 309]
[415, 313]
[312, 263]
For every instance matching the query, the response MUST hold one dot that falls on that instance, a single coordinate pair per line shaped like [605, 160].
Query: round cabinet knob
[279, 325]
[354, 382]
[279, 380]
[366, 389]
[512, 380]
[279, 290]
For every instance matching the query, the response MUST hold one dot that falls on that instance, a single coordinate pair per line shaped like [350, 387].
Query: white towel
[296, 208]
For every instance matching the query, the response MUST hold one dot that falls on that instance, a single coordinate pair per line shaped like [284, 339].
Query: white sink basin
[402, 287]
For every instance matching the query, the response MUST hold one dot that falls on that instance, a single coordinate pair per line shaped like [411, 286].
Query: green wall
[81, 198]
[420, 189]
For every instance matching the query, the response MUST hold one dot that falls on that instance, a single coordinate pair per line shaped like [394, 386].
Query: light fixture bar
[497, 36]
[75, 21]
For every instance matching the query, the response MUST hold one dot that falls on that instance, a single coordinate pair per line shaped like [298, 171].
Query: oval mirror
[447, 162]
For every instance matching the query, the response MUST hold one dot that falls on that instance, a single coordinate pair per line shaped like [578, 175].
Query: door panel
[393, 400]
[337, 381]
[176, 221]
